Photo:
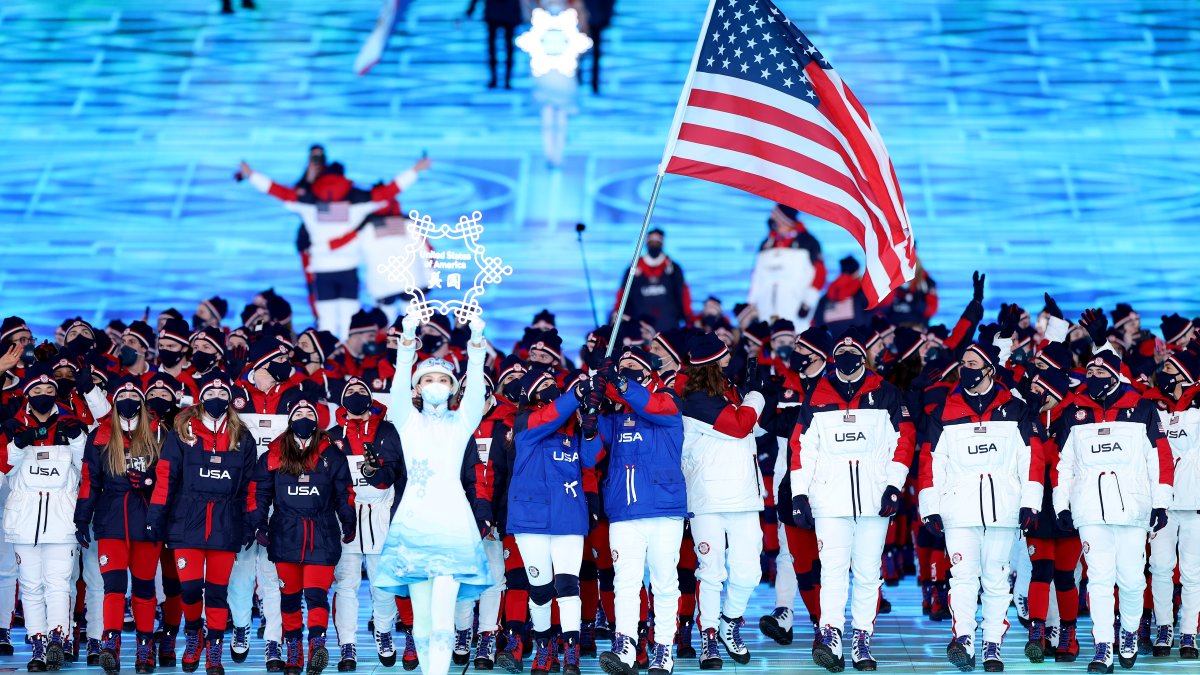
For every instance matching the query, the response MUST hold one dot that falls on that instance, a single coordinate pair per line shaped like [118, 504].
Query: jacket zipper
[37, 525]
[1100, 492]
[858, 484]
[853, 504]
[982, 513]
[992, 487]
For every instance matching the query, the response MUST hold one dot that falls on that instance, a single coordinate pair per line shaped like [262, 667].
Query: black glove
[83, 380]
[890, 504]
[1010, 316]
[1064, 521]
[348, 536]
[1096, 324]
[934, 525]
[83, 534]
[1052, 307]
[248, 540]
[262, 538]
[977, 286]
[27, 436]
[595, 510]
[590, 425]
[582, 390]
[802, 512]
[371, 458]
[236, 359]
[1028, 519]
[1158, 519]
[608, 373]
[152, 533]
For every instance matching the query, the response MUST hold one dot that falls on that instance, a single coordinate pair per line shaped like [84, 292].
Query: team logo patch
[103, 560]
[507, 553]
[281, 584]
[955, 559]
[703, 548]
[820, 545]
[377, 383]
[181, 563]
[1080, 415]
[1032, 550]
[239, 403]
[1087, 548]
[615, 555]
[533, 572]
[18, 555]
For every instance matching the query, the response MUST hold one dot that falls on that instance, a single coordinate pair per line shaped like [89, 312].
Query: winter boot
[1102, 662]
[349, 660]
[193, 644]
[683, 639]
[860, 651]
[661, 662]
[166, 646]
[730, 632]
[777, 625]
[1164, 637]
[110, 652]
[961, 653]
[410, 651]
[318, 655]
[37, 661]
[827, 652]
[710, 650]
[485, 651]
[295, 656]
[926, 598]
[992, 663]
[239, 646]
[213, 648]
[587, 638]
[622, 660]
[6, 646]
[55, 653]
[273, 657]
[940, 610]
[1068, 647]
[462, 647]
[570, 654]
[143, 662]
[543, 654]
[1035, 648]
[1127, 649]
[386, 648]
[1187, 647]
[93, 652]
[511, 659]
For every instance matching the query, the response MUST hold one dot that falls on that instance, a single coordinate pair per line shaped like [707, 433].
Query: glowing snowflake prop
[445, 267]
[554, 42]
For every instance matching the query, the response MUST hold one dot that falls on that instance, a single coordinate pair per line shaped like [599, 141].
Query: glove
[890, 504]
[1158, 519]
[477, 323]
[590, 426]
[1052, 307]
[237, 358]
[1064, 521]
[348, 536]
[934, 525]
[1096, 324]
[1010, 316]
[29, 435]
[1028, 519]
[83, 380]
[262, 538]
[608, 372]
[83, 535]
[802, 512]
[371, 458]
[594, 509]
[152, 533]
[583, 390]
[977, 286]
[595, 397]
[248, 540]
[804, 310]
[408, 327]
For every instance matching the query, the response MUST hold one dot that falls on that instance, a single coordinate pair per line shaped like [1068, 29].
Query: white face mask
[435, 393]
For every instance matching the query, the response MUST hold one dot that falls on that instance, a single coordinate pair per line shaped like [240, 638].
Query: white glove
[409, 326]
[477, 323]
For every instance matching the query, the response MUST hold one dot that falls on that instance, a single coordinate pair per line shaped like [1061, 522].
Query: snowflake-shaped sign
[446, 267]
[554, 42]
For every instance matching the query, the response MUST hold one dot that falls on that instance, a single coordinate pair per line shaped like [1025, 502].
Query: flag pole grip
[637, 251]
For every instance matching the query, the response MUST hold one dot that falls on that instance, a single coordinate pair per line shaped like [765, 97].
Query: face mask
[1097, 387]
[65, 385]
[357, 404]
[373, 349]
[41, 403]
[160, 406]
[799, 362]
[932, 353]
[784, 352]
[435, 393]
[653, 250]
[632, 374]
[215, 407]
[28, 356]
[81, 344]
[129, 356]
[279, 370]
[847, 363]
[391, 354]
[197, 322]
[203, 361]
[971, 377]
[168, 359]
[431, 343]
[1020, 356]
[1081, 346]
[1166, 383]
[711, 321]
[548, 394]
[128, 408]
[304, 427]
[304, 356]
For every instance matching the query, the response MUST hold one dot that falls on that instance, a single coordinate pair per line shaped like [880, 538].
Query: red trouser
[687, 575]
[172, 606]
[516, 597]
[140, 559]
[204, 578]
[806, 562]
[1054, 560]
[314, 582]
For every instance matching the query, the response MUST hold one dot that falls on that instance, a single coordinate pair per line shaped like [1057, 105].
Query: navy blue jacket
[545, 494]
[312, 509]
[110, 504]
[645, 444]
[199, 498]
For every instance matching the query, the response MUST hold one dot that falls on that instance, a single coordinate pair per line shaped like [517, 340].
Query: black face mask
[356, 404]
[373, 349]
[304, 427]
[81, 344]
[65, 386]
[1081, 346]
[1097, 387]
[971, 377]
[847, 363]
[784, 352]
[28, 356]
[1020, 356]
[197, 322]
[304, 356]
[161, 407]
[799, 362]
[653, 250]
[169, 359]
[279, 370]
[548, 394]
[203, 361]
[129, 356]
[128, 408]
[41, 403]
[932, 353]
[215, 407]
[711, 321]
[1166, 383]
[431, 343]
[632, 374]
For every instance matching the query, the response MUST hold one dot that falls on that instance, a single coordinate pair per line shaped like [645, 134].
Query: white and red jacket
[333, 226]
[978, 469]
[844, 452]
[1116, 462]
[1181, 423]
[720, 456]
[44, 481]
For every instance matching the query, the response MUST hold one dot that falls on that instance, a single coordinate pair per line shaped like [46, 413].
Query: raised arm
[265, 185]
[401, 407]
[474, 399]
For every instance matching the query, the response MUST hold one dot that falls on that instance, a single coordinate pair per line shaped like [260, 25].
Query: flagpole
[672, 138]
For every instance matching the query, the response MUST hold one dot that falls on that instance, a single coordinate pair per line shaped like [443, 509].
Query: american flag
[764, 111]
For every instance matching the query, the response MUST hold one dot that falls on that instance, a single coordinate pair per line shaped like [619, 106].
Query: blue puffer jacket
[545, 494]
[644, 478]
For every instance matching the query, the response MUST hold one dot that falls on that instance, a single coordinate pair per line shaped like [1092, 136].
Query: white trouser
[546, 556]
[636, 545]
[268, 594]
[241, 587]
[347, 578]
[1189, 569]
[334, 315]
[433, 622]
[979, 557]
[93, 592]
[851, 545]
[489, 600]
[46, 573]
[712, 532]
[786, 586]
[1163, 557]
[8, 583]
[1115, 554]
[1023, 564]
